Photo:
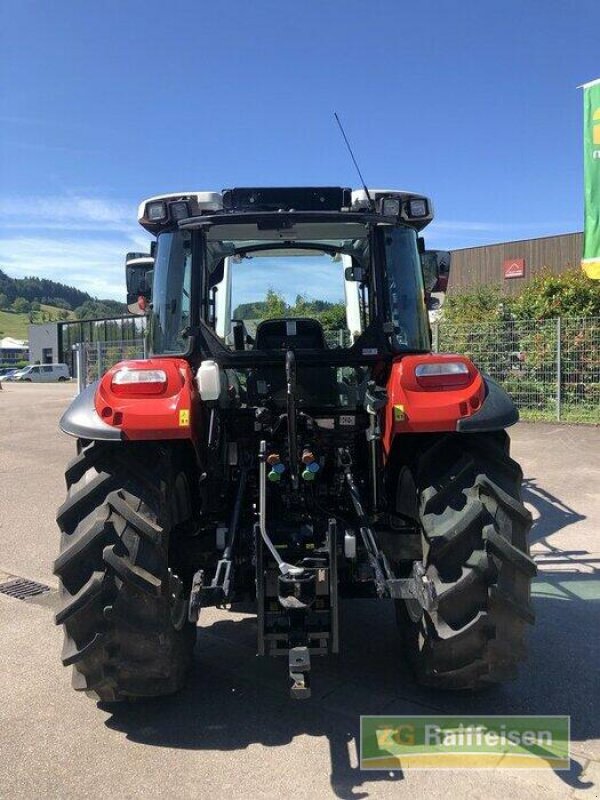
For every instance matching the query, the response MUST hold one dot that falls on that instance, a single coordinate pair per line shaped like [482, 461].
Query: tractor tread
[82, 462]
[453, 529]
[114, 572]
[117, 501]
[512, 505]
[87, 594]
[72, 653]
[474, 527]
[499, 546]
[79, 546]
[90, 497]
[129, 573]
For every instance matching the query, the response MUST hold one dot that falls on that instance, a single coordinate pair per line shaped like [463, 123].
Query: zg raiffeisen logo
[400, 734]
[444, 742]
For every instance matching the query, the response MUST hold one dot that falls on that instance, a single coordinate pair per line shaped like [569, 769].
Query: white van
[43, 373]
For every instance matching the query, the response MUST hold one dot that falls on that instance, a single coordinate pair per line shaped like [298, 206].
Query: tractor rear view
[291, 450]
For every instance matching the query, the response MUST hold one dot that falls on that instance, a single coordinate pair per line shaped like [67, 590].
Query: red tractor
[292, 439]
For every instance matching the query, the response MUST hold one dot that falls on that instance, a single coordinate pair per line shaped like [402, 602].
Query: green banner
[591, 168]
[473, 742]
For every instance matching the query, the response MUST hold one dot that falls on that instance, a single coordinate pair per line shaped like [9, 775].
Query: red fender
[172, 411]
[427, 405]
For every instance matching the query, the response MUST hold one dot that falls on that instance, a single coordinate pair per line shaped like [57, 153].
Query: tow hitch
[297, 603]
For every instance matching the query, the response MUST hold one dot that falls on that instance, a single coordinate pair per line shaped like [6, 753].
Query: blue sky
[104, 103]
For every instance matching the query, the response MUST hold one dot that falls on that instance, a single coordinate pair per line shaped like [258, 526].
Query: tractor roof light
[390, 206]
[156, 211]
[179, 210]
[132, 382]
[417, 208]
[443, 375]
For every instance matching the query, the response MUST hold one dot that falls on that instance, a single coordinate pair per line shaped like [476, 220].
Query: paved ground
[233, 732]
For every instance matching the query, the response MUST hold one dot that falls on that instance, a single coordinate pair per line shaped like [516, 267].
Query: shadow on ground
[236, 699]
[554, 515]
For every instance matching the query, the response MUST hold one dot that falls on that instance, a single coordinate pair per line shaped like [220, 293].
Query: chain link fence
[551, 368]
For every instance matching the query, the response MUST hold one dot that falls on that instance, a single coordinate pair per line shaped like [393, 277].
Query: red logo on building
[514, 268]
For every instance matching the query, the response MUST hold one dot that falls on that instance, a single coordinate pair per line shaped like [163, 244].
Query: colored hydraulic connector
[311, 466]
[277, 468]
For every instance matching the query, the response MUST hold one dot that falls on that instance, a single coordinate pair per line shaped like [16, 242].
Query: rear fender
[478, 405]
[98, 413]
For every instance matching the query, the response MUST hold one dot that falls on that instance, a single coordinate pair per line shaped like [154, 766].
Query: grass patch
[17, 325]
[14, 325]
[569, 412]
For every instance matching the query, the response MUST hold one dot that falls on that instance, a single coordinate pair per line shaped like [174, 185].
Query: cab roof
[165, 211]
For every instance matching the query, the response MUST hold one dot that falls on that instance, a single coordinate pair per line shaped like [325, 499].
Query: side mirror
[436, 270]
[138, 277]
[357, 274]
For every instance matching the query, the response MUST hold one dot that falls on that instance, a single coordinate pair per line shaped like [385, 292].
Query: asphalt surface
[233, 732]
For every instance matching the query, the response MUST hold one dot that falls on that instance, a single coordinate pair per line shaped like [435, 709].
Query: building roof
[8, 343]
[517, 241]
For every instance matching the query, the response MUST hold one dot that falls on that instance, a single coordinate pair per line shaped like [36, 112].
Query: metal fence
[94, 358]
[551, 368]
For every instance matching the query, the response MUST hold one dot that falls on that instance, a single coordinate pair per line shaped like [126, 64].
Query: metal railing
[92, 359]
[551, 368]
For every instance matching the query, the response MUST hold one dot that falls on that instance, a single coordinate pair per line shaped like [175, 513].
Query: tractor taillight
[139, 381]
[443, 375]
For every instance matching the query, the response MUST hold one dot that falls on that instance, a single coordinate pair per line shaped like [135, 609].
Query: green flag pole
[590, 263]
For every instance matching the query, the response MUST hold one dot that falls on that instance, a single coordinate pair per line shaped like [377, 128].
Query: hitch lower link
[417, 588]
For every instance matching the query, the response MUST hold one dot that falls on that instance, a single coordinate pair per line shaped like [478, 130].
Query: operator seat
[315, 385]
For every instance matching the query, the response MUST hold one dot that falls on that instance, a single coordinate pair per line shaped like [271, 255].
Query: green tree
[483, 304]
[21, 306]
[4, 301]
[570, 294]
[275, 305]
[97, 308]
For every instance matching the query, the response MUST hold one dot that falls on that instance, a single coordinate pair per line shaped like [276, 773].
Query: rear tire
[474, 531]
[124, 611]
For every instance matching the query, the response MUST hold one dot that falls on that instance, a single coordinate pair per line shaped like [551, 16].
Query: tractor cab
[225, 263]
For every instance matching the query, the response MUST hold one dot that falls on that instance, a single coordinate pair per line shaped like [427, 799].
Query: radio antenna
[362, 180]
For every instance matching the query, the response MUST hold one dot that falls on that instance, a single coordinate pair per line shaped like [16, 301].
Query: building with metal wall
[13, 351]
[53, 341]
[43, 343]
[511, 265]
